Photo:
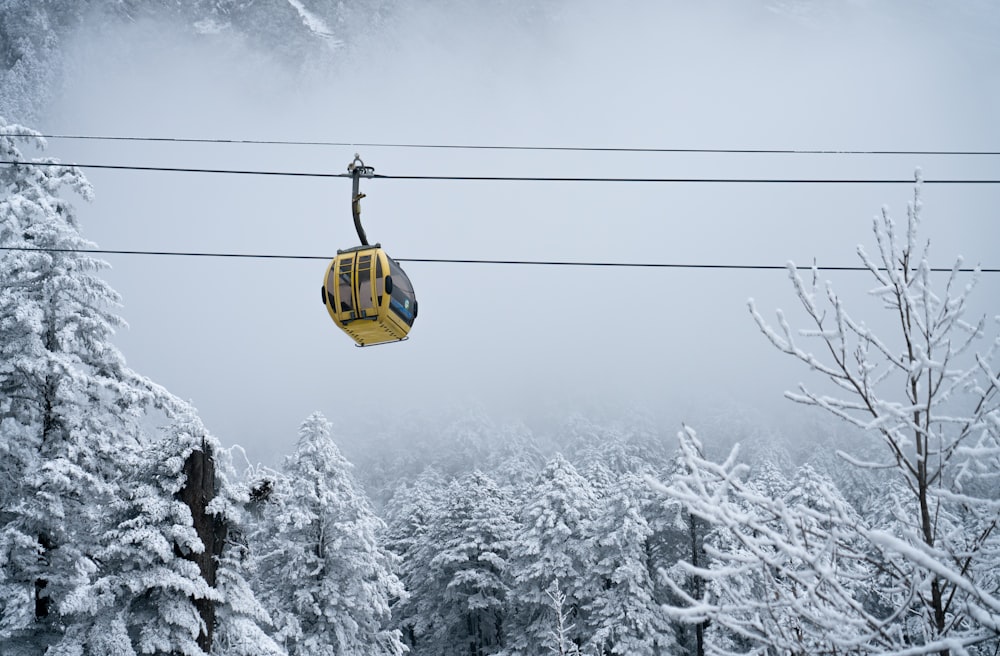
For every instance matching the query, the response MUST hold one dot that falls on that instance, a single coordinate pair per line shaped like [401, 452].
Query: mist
[250, 344]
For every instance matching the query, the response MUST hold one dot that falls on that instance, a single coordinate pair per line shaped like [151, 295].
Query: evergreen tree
[70, 409]
[670, 536]
[623, 617]
[31, 36]
[242, 622]
[551, 549]
[145, 585]
[322, 573]
[603, 453]
[412, 513]
[516, 460]
[468, 572]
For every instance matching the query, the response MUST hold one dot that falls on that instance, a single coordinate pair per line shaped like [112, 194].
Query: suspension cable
[502, 178]
[442, 260]
[458, 146]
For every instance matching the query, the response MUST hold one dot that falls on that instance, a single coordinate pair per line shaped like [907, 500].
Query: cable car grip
[358, 170]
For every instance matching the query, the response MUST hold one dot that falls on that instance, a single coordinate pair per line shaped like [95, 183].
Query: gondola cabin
[369, 296]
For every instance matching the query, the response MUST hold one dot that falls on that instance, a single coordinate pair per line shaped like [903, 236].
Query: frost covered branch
[813, 576]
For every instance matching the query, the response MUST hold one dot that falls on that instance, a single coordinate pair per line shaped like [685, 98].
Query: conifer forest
[707, 360]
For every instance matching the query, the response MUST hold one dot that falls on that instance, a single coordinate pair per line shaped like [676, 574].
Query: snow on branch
[931, 396]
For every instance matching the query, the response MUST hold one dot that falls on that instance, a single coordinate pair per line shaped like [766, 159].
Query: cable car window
[344, 284]
[365, 282]
[330, 287]
[402, 300]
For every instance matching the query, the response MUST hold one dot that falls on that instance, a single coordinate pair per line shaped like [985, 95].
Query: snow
[314, 23]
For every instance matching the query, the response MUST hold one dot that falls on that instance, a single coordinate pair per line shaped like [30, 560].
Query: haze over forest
[544, 466]
[772, 75]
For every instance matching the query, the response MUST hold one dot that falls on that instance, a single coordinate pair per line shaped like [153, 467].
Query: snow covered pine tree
[467, 583]
[623, 617]
[96, 544]
[149, 591]
[551, 557]
[321, 572]
[55, 363]
[70, 409]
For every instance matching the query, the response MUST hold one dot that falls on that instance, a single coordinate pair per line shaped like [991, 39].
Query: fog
[248, 341]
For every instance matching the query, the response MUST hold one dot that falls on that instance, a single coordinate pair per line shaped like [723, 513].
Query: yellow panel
[329, 298]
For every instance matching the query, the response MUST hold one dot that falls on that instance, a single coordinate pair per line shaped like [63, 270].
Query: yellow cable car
[369, 296]
[365, 291]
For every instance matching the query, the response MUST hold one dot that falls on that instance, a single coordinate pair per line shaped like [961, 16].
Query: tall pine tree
[412, 513]
[70, 409]
[323, 574]
[551, 556]
[623, 616]
[468, 574]
[146, 585]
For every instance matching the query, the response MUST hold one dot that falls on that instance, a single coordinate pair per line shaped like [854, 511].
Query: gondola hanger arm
[358, 170]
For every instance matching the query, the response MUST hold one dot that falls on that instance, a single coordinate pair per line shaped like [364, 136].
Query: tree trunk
[937, 601]
[197, 493]
[43, 603]
[50, 424]
[699, 628]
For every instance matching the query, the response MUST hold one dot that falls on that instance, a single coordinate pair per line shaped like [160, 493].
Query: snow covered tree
[561, 644]
[932, 401]
[324, 577]
[934, 404]
[107, 544]
[677, 541]
[70, 409]
[412, 513]
[551, 549]
[467, 582]
[146, 586]
[623, 617]
[242, 622]
[31, 35]
[615, 448]
[516, 459]
[779, 576]
[673, 536]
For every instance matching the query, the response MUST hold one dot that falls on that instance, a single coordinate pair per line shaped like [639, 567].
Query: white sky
[248, 340]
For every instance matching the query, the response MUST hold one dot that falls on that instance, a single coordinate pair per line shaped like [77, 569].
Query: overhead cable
[432, 260]
[503, 178]
[455, 146]
[175, 169]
